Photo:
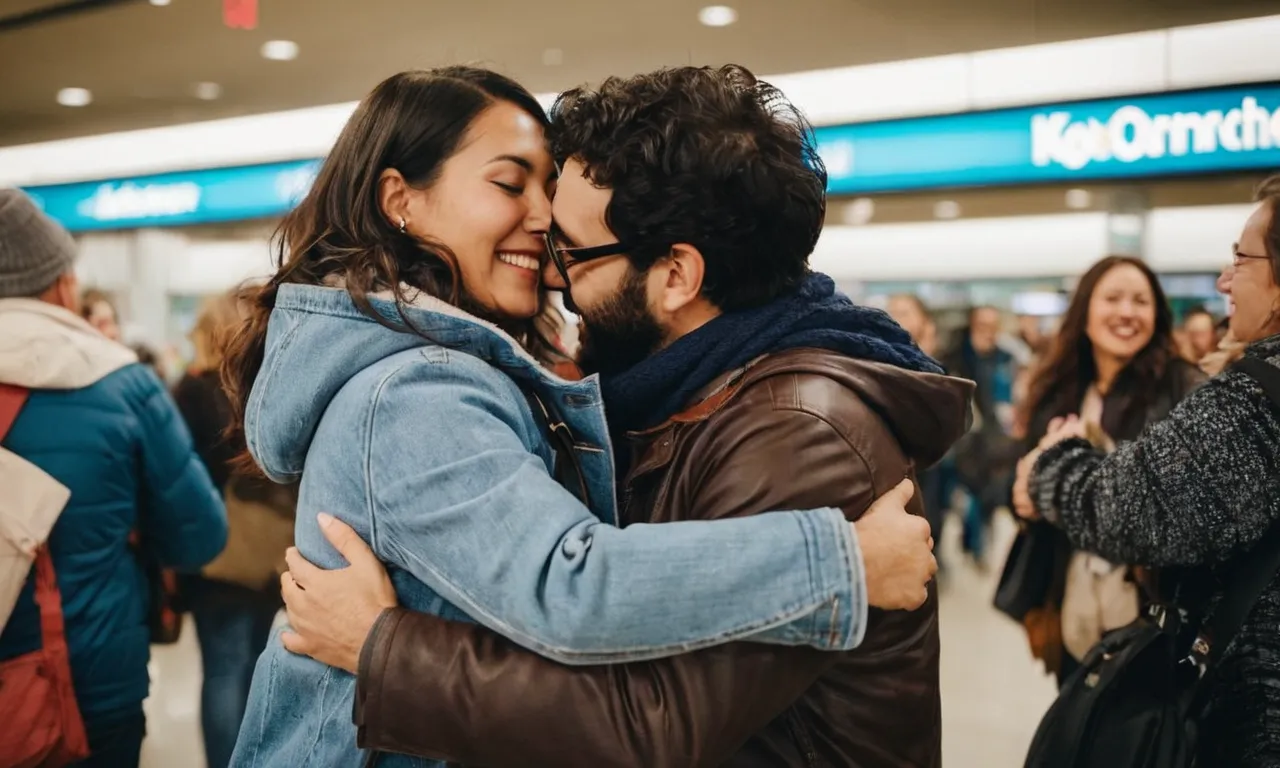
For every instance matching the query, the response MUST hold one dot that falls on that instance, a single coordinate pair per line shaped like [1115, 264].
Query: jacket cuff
[372, 666]
[1047, 474]
[836, 570]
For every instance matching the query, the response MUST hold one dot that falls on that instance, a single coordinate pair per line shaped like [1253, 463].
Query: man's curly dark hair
[708, 156]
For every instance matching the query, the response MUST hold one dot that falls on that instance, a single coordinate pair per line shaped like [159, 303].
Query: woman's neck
[1108, 367]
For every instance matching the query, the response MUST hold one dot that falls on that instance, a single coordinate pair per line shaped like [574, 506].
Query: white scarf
[47, 347]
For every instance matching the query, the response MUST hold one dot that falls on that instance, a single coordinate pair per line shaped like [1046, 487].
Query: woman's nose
[538, 219]
[1224, 279]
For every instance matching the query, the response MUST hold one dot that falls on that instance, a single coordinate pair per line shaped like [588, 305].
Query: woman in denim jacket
[391, 364]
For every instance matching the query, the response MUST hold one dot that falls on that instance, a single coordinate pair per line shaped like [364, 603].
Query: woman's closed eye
[514, 190]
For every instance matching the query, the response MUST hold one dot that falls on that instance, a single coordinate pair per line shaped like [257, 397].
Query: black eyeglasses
[562, 257]
[1238, 258]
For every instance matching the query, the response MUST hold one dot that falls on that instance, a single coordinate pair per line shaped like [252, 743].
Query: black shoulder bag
[1135, 700]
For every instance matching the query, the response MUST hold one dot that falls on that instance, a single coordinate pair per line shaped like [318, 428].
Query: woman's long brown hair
[1066, 372]
[412, 122]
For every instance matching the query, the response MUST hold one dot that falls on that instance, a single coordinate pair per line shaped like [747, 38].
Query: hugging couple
[508, 579]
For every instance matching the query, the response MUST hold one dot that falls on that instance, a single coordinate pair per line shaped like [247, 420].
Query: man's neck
[53, 295]
[688, 320]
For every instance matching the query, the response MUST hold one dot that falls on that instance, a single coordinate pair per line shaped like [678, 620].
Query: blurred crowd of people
[1014, 358]
[402, 400]
[143, 538]
[1117, 364]
[1119, 358]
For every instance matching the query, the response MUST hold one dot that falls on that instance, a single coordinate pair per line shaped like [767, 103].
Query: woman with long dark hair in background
[1115, 362]
[1200, 491]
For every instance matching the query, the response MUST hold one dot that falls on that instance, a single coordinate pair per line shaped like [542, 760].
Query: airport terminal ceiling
[176, 62]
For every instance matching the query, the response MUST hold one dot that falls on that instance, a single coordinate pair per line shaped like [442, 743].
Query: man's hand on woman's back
[332, 612]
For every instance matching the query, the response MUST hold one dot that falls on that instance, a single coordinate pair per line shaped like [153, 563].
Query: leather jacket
[799, 429]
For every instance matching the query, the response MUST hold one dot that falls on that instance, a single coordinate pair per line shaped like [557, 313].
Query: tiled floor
[993, 692]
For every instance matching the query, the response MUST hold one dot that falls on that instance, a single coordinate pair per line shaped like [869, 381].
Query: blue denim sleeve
[459, 501]
[183, 520]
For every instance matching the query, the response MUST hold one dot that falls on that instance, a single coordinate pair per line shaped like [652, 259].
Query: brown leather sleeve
[459, 692]
[463, 693]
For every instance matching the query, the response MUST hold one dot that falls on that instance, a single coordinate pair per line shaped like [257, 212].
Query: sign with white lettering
[1168, 134]
[192, 197]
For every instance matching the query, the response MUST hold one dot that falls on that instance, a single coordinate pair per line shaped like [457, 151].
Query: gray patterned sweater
[1195, 490]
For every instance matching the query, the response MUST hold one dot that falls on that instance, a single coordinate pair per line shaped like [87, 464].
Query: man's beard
[620, 332]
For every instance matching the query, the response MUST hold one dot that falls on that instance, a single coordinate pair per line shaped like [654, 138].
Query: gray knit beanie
[34, 249]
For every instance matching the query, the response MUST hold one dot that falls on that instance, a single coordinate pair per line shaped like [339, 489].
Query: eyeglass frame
[579, 254]
[1238, 259]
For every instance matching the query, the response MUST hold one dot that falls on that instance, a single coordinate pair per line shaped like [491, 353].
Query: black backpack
[1136, 698]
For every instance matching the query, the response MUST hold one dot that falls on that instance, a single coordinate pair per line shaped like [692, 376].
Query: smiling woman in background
[1114, 362]
[1200, 488]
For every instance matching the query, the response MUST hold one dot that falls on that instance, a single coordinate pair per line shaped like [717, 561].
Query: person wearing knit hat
[35, 251]
[97, 449]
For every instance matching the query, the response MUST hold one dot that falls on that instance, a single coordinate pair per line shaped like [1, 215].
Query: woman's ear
[393, 197]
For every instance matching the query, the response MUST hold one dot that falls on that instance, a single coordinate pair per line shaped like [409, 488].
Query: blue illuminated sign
[1225, 129]
[192, 197]
[1209, 131]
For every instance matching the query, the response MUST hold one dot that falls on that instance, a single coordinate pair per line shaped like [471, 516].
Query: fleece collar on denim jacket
[318, 340]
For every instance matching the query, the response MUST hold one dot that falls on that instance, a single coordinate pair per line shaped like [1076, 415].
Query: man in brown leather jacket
[736, 382]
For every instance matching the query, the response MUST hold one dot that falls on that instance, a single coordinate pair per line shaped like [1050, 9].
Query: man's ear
[679, 277]
[393, 197]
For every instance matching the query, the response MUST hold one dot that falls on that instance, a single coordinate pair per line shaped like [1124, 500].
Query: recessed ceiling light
[208, 91]
[280, 50]
[75, 97]
[717, 16]
[160, 3]
[946, 209]
[1079, 199]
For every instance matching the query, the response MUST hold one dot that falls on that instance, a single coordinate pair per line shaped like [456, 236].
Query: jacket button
[575, 547]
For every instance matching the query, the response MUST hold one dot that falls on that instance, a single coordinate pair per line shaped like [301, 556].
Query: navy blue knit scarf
[816, 316]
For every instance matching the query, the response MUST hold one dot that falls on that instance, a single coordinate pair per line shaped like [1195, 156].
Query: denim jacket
[425, 443]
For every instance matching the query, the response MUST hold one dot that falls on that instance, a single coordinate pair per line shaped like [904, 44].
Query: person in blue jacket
[103, 426]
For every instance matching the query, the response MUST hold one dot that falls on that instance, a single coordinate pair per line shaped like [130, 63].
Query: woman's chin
[517, 308]
[1246, 331]
[1123, 350]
